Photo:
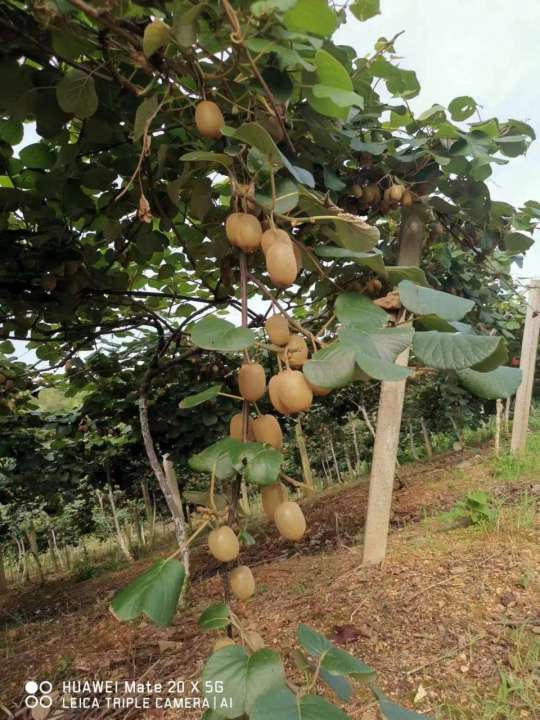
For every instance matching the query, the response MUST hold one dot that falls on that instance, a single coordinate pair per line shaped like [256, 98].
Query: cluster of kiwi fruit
[372, 195]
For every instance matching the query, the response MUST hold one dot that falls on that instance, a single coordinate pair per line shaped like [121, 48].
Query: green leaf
[255, 135]
[365, 9]
[37, 155]
[331, 367]
[343, 98]
[375, 352]
[398, 273]
[154, 594]
[207, 156]
[359, 311]
[457, 351]
[331, 74]
[338, 683]
[184, 28]
[145, 111]
[311, 16]
[282, 704]
[462, 107]
[156, 36]
[499, 357]
[76, 94]
[425, 301]
[260, 464]
[263, 468]
[240, 679]
[287, 196]
[215, 617]
[373, 259]
[279, 83]
[218, 458]
[500, 383]
[391, 711]
[333, 659]
[199, 398]
[517, 243]
[357, 236]
[213, 333]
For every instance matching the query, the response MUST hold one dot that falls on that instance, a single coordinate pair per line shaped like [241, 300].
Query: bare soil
[438, 620]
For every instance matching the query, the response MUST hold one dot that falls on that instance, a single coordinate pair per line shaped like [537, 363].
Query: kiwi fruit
[272, 236]
[298, 257]
[296, 351]
[294, 392]
[396, 192]
[209, 119]
[9, 384]
[272, 496]
[223, 544]
[252, 381]
[242, 582]
[236, 426]
[290, 521]
[266, 429]
[407, 199]
[372, 194]
[277, 328]
[281, 264]
[357, 190]
[273, 393]
[243, 231]
[221, 643]
[437, 230]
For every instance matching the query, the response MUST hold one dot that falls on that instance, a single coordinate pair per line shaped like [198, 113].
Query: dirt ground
[452, 610]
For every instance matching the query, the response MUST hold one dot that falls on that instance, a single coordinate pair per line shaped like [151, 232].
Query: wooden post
[3, 579]
[529, 347]
[391, 400]
[304, 457]
[507, 407]
[427, 439]
[498, 428]
[119, 534]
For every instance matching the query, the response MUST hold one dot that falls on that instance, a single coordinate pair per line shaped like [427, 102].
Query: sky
[488, 49]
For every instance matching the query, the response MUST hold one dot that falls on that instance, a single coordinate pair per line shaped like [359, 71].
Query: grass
[517, 695]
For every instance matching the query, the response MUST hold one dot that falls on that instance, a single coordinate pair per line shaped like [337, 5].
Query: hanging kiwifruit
[209, 119]
[242, 582]
[274, 395]
[372, 194]
[357, 190]
[437, 230]
[221, 643]
[272, 496]
[272, 236]
[252, 381]
[290, 521]
[223, 544]
[243, 231]
[298, 257]
[296, 351]
[236, 428]
[281, 265]
[407, 199]
[277, 328]
[266, 429]
[396, 192]
[319, 390]
[294, 391]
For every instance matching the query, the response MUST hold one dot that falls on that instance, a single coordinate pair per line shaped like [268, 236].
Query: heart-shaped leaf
[500, 383]
[201, 397]
[425, 301]
[215, 617]
[373, 259]
[332, 367]
[154, 594]
[213, 333]
[76, 94]
[331, 658]
[359, 311]
[456, 351]
[282, 704]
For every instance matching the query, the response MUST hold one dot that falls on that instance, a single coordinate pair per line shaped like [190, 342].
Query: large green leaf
[357, 236]
[201, 397]
[331, 367]
[516, 243]
[282, 704]
[365, 9]
[497, 358]
[231, 674]
[425, 301]
[286, 197]
[391, 711]
[213, 333]
[215, 617]
[154, 594]
[311, 16]
[373, 259]
[500, 383]
[332, 76]
[402, 272]
[76, 94]
[331, 658]
[375, 352]
[262, 468]
[260, 464]
[207, 156]
[456, 351]
[359, 311]
[218, 458]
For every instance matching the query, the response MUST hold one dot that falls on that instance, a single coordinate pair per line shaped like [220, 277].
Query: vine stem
[188, 542]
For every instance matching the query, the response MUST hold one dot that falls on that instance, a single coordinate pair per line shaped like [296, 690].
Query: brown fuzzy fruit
[243, 231]
[372, 194]
[357, 190]
[223, 544]
[236, 426]
[396, 192]
[277, 328]
[407, 199]
[272, 496]
[209, 119]
[298, 257]
[296, 351]
[294, 391]
[290, 521]
[273, 393]
[272, 236]
[266, 429]
[281, 265]
[221, 643]
[252, 381]
[242, 582]
[437, 230]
